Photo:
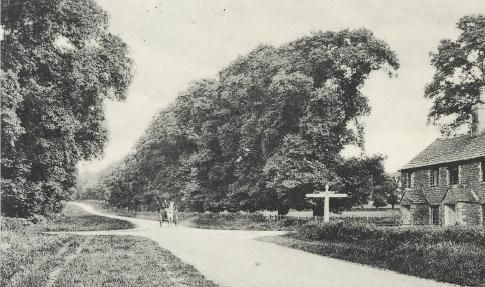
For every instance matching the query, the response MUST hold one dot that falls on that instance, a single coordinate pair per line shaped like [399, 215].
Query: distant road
[235, 258]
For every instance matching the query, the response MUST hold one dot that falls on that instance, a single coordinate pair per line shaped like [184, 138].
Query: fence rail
[375, 220]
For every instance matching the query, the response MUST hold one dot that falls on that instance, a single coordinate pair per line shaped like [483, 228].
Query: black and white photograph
[242, 143]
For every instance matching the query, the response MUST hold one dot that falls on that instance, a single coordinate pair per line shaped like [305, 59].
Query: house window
[434, 177]
[435, 215]
[483, 215]
[410, 180]
[454, 175]
[482, 170]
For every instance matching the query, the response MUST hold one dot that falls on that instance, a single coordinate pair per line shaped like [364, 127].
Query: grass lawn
[31, 258]
[74, 218]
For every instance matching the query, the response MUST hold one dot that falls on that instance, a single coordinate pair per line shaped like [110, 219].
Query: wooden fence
[375, 220]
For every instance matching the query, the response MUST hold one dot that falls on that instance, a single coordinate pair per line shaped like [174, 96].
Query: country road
[235, 258]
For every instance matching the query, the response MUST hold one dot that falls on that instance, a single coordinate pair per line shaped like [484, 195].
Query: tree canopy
[59, 63]
[460, 72]
[266, 130]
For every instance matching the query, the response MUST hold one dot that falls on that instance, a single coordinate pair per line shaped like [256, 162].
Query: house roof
[449, 150]
[417, 196]
[460, 195]
[413, 196]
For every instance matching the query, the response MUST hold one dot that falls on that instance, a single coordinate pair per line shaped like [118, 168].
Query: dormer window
[454, 175]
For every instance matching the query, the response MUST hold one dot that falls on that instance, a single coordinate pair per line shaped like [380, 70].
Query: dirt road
[234, 258]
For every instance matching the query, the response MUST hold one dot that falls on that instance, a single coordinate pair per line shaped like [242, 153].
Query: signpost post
[327, 194]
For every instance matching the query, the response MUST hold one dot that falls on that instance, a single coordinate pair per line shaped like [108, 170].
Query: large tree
[460, 72]
[59, 63]
[268, 129]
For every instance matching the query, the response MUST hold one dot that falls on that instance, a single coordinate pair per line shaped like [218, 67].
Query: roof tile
[449, 150]
[414, 196]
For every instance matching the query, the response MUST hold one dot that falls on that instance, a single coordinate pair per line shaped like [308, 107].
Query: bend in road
[235, 258]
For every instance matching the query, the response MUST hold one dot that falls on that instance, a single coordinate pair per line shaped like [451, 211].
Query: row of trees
[267, 130]
[271, 126]
[58, 64]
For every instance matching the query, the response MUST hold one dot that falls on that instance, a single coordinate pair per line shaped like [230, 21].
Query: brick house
[445, 183]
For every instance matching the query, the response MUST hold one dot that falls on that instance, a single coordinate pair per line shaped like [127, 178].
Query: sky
[176, 42]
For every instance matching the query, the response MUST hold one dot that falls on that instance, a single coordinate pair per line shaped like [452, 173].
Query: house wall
[419, 214]
[406, 214]
[467, 213]
[469, 176]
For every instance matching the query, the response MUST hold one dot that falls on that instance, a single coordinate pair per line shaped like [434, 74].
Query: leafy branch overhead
[460, 72]
[59, 63]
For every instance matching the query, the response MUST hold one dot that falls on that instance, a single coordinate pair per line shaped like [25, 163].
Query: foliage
[458, 77]
[393, 196]
[394, 235]
[239, 221]
[361, 178]
[14, 224]
[58, 64]
[263, 133]
[453, 254]
[385, 192]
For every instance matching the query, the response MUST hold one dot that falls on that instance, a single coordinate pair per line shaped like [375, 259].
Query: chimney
[478, 114]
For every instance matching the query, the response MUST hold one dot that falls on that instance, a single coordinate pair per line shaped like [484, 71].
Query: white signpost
[327, 194]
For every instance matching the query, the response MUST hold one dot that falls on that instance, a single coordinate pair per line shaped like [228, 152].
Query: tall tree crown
[459, 73]
[60, 63]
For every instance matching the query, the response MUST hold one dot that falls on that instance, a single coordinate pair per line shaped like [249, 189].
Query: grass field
[31, 258]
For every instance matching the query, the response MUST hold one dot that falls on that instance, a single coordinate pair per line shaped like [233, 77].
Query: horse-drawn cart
[168, 213]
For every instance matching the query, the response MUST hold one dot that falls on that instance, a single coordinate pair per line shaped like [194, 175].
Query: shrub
[453, 254]
[419, 234]
[14, 224]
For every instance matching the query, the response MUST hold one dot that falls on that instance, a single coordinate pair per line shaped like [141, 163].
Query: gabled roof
[481, 195]
[413, 196]
[449, 150]
[460, 195]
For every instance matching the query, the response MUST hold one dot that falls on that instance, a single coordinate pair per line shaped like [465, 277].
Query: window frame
[458, 179]
[434, 220]
[481, 174]
[434, 173]
[410, 179]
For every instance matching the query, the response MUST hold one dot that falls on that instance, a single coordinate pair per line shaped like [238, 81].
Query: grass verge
[226, 221]
[32, 258]
[128, 261]
[453, 255]
[237, 221]
[74, 218]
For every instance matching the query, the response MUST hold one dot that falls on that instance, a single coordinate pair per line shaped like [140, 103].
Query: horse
[169, 214]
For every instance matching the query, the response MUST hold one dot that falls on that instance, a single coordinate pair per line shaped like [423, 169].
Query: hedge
[453, 254]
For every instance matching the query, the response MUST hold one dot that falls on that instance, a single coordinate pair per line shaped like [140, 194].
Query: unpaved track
[234, 258]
